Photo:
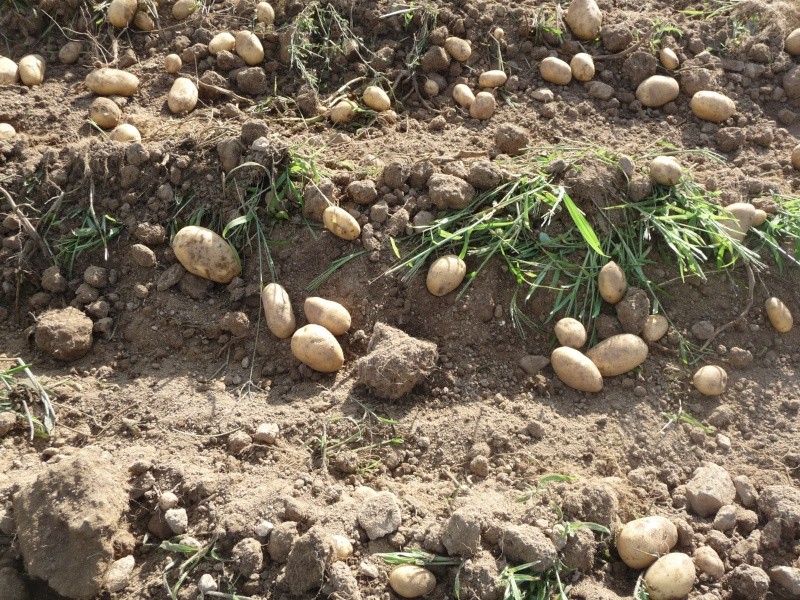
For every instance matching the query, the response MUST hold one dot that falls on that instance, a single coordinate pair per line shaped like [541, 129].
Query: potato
[125, 133]
[7, 131]
[172, 63]
[483, 107]
[582, 66]
[316, 347]
[206, 254]
[655, 327]
[669, 60]
[112, 82]
[331, 315]
[411, 581]
[341, 223]
[182, 96]
[459, 49]
[759, 218]
[183, 9]
[222, 41]
[570, 332]
[492, 79]
[657, 91]
[143, 21]
[105, 112]
[31, 69]
[576, 370]
[710, 380]
[712, 106]
[464, 96]
[555, 71]
[584, 19]
[278, 310]
[431, 88]
[612, 283]
[265, 13]
[343, 112]
[120, 12]
[665, 170]
[618, 354]
[446, 274]
[342, 547]
[779, 315]
[69, 53]
[376, 99]
[640, 542]
[9, 71]
[249, 47]
[744, 214]
[792, 44]
[795, 158]
[671, 577]
[707, 561]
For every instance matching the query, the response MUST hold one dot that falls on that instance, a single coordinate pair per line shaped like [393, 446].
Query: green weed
[541, 485]
[714, 8]
[18, 395]
[93, 233]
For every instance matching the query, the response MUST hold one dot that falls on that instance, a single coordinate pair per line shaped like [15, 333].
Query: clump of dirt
[65, 334]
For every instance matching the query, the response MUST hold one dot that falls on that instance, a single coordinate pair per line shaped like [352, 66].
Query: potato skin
[618, 354]
[710, 380]
[445, 274]
[582, 66]
[377, 99]
[744, 214]
[463, 95]
[657, 90]
[712, 106]
[343, 112]
[9, 71]
[112, 82]
[278, 310]
[331, 315]
[121, 12]
[655, 328]
[249, 47]
[32, 69]
[182, 96]
[341, 223]
[570, 332]
[555, 70]
[124, 133]
[671, 577]
[411, 581]
[779, 315]
[316, 347]
[105, 112]
[665, 170]
[584, 19]
[457, 48]
[576, 370]
[206, 254]
[493, 78]
[641, 541]
[612, 283]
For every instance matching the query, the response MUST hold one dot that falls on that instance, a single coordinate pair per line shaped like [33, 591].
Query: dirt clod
[748, 582]
[633, 310]
[307, 562]
[527, 544]
[709, 489]
[462, 534]
[380, 515]
[247, 556]
[65, 334]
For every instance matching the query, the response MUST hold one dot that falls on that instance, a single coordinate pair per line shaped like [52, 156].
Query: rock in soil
[781, 503]
[747, 583]
[449, 191]
[343, 583]
[579, 551]
[395, 362]
[281, 541]
[787, 579]
[64, 333]
[709, 489]
[527, 544]
[74, 506]
[380, 515]
[119, 574]
[307, 562]
[462, 534]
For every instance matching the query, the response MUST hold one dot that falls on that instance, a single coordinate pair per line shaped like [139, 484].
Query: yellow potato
[7, 131]
[342, 547]
[265, 13]
[669, 60]
[172, 63]
[744, 214]
[612, 283]
[491, 79]
[555, 71]
[483, 107]
[582, 66]
[278, 310]
[671, 577]
[759, 218]
[9, 71]
[445, 275]
[792, 44]
[779, 315]
[343, 112]
[642, 541]
[376, 99]
[576, 370]
[570, 332]
[708, 562]
[105, 112]
[121, 12]
[655, 327]
[459, 49]
[205, 254]
[249, 47]
[182, 96]
[657, 91]
[710, 380]
[183, 9]
[143, 21]
[618, 354]
[584, 18]
[222, 41]
[341, 223]
[712, 106]
[411, 581]
[69, 53]
[665, 170]
[316, 347]
[464, 96]
[431, 87]
[331, 315]
[112, 82]
[125, 133]
[31, 69]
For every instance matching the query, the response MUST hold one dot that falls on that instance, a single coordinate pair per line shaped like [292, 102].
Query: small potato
[331, 315]
[278, 310]
[555, 71]
[795, 157]
[222, 41]
[669, 60]
[445, 275]
[249, 47]
[376, 99]
[9, 71]
[492, 79]
[464, 96]
[657, 91]
[342, 547]
[584, 18]
[576, 370]
[411, 581]
[779, 315]
[459, 49]
[105, 112]
[183, 9]
[483, 107]
[665, 170]
[744, 214]
[618, 354]
[712, 106]
[640, 542]
[31, 69]
[120, 12]
[341, 223]
[172, 63]
[570, 332]
[708, 562]
[7, 131]
[316, 347]
[710, 380]
[265, 13]
[70, 52]
[112, 82]
[671, 577]
[612, 283]
[582, 66]
[343, 112]
[125, 133]
[206, 254]
[431, 88]
[792, 44]
[759, 218]
[655, 327]
[182, 96]
[143, 21]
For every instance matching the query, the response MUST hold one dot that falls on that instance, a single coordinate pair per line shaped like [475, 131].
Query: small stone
[449, 191]
[703, 330]
[710, 489]
[97, 277]
[267, 433]
[746, 491]
[725, 519]
[748, 582]
[708, 561]
[264, 528]
[533, 363]
[787, 578]
[237, 323]
[8, 421]
[380, 515]
[167, 500]
[462, 534]
[177, 520]
[53, 280]
[362, 191]
[510, 139]
[527, 544]
[207, 584]
[479, 466]
[65, 334]
[143, 256]
[543, 95]
[119, 574]
[238, 441]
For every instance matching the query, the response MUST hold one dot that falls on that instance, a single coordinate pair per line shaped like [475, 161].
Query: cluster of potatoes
[106, 113]
[29, 70]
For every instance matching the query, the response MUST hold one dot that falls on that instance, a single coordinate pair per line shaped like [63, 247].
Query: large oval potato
[143, 21]
[343, 112]
[265, 13]
[710, 380]
[779, 315]
[445, 275]
[182, 96]
[206, 254]
[224, 40]
[576, 370]
[341, 223]
[669, 60]
[491, 79]
[744, 214]
[570, 332]
[657, 91]
[316, 347]
[121, 12]
[612, 283]
[792, 43]
[105, 112]
[483, 107]
[463, 95]
[665, 170]
[112, 82]
[411, 581]
[376, 99]
[582, 66]
[9, 71]
[183, 9]
[249, 47]
[124, 133]
[278, 310]
[584, 18]
[712, 106]
[555, 71]
[31, 69]
[671, 577]
[641, 541]
[618, 354]
[331, 315]
[655, 327]
[172, 63]
[459, 49]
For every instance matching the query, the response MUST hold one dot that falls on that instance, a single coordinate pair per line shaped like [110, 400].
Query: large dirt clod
[65, 334]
